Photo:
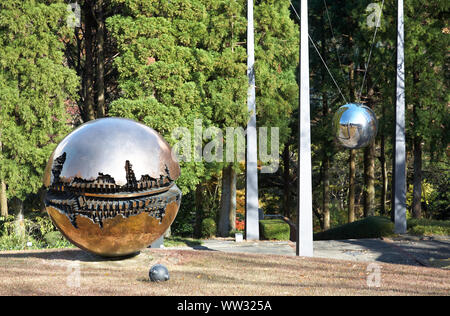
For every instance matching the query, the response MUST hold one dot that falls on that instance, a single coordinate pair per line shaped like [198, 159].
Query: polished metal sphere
[158, 273]
[355, 125]
[110, 186]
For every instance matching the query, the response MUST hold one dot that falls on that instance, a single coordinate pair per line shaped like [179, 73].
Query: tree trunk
[369, 168]
[417, 180]
[286, 182]
[20, 223]
[326, 193]
[227, 214]
[232, 212]
[393, 178]
[384, 175]
[3, 198]
[369, 180]
[351, 186]
[199, 213]
[352, 158]
[327, 144]
[88, 78]
[100, 78]
[326, 169]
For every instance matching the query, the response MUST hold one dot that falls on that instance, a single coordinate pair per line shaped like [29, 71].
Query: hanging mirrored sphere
[355, 125]
[111, 187]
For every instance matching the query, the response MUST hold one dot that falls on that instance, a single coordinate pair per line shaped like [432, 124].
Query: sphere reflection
[355, 125]
[111, 187]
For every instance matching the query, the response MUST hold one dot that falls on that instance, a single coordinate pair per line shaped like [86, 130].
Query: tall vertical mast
[400, 151]
[304, 231]
[251, 192]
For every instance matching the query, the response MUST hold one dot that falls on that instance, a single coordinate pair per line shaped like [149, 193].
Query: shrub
[274, 229]
[33, 232]
[44, 225]
[209, 228]
[55, 239]
[369, 227]
[183, 224]
[19, 242]
[240, 225]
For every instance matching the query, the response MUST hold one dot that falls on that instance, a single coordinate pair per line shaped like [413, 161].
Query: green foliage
[18, 242]
[369, 227]
[33, 232]
[182, 60]
[34, 84]
[185, 60]
[426, 227]
[55, 239]
[176, 65]
[209, 228]
[274, 229]
[426, 68]
[428, 194]
[276, 60]
[180, 242]
[183, 224]
[44, 224]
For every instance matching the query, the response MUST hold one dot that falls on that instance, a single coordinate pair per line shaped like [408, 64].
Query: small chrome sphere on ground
[158, 273]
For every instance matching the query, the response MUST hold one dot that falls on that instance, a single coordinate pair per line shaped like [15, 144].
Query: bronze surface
[119, 236]
[111, 187]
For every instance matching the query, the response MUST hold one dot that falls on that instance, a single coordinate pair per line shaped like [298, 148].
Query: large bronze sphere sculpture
[355, 125]
[110, 186]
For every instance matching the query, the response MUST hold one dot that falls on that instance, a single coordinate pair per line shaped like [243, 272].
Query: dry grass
[192, 272]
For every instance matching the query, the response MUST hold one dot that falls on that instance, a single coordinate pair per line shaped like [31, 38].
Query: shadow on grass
[195, 244]
[61, 254]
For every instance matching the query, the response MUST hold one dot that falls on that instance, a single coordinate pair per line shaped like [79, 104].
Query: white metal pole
[305, 223]
[400, 150]
[251, 192]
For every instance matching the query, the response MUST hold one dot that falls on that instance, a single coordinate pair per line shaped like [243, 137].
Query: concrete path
[408, 250]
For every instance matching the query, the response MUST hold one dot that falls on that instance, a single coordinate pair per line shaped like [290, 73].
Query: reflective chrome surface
[159, 273]
[355, 125]
[111, 187]
[105, 144]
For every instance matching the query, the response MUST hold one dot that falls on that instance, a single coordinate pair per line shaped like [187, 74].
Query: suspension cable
[323, 61]
[389, 59]
[332, 33]
[378, 23]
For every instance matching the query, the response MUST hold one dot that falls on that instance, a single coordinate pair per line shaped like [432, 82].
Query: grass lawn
[52, 272]
[174, 241]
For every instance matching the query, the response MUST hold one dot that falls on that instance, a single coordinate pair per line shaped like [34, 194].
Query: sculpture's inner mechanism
[102, 198]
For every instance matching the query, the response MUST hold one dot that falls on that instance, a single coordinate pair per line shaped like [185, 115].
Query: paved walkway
[407, 250]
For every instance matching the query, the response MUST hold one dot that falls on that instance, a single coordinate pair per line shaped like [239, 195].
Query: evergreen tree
[90, 52]
[34, 86]
[276, 62]
[426, 86]
[184, 60]
[178, 62]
